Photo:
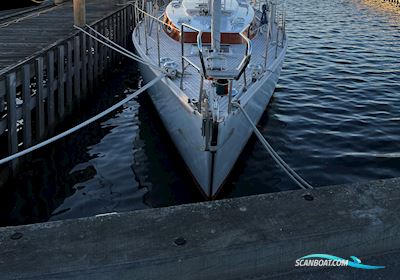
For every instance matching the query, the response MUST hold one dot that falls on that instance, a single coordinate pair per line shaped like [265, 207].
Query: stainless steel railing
[203, 71]
[275, 35]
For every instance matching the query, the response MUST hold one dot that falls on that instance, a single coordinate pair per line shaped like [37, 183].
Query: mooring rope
[139, 59]
[289, 171]
[82, 125]
[121, 50]
[114, 46]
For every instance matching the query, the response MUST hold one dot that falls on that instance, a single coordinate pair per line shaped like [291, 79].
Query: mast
[216, 26]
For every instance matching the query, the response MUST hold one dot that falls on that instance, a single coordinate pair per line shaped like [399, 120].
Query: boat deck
[169, 48]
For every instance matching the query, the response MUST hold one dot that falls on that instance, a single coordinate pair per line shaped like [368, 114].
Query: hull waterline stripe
[82, 125]
[289, 171]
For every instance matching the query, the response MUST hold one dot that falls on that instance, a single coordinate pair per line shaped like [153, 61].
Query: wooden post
[108, 50]
[84, 64]
[12, 117]
[70, 73]
[77, 70]
[132, 18]
[120, 29]
[50, 90]
[2, 94]
[113, 36]
[96, 60]
[102, 55]
[39, 99]
[61, 81]
[2, 104]
[125, 27]
[79, 12]
[26, 105]
[90, 65]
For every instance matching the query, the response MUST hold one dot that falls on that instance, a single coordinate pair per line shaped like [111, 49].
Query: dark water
[335, 115]
[334, 118]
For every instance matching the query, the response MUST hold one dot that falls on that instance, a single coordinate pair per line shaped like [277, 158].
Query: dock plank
[29, 36]
[254, 237]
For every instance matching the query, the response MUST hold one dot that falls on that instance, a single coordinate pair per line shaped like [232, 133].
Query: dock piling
[26, 106]
[40, 124]
[70, 73]
[2, 104]
[61, 82]
[90, 66]
[77, 74]
[50, 90]
[12, 117]
[79, 12]
[84, 63]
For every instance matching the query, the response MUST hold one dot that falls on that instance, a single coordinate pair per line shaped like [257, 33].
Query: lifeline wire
[85, 123]
[289, 171]
[114, 44]
[125, 52]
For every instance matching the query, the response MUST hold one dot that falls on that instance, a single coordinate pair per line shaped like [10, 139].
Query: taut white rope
[138, 58]
[85, 123]
[125, 52]
[289, 171]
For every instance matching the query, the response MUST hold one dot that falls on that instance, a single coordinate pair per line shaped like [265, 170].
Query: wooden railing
[39, 92]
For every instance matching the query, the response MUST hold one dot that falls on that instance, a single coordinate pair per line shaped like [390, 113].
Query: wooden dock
[256, 237]
[47, 67]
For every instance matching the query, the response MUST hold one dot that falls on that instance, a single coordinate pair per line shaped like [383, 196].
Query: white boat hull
[184, 126]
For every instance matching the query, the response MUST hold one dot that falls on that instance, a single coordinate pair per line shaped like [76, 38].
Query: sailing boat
[216, 54]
